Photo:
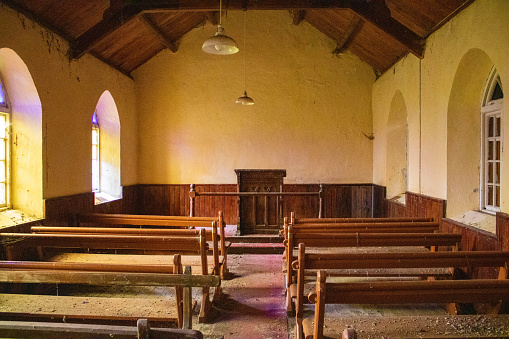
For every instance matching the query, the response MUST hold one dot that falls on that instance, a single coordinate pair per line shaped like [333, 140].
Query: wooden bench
[360, 262]
[353, 225]
[401, 292]
[193, 248]
[163, 221]
[101, 308]
[340, 239]
[337, 240]
[216, 268]
[143, 330]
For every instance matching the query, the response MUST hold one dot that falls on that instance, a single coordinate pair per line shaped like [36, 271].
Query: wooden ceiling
[127, 33]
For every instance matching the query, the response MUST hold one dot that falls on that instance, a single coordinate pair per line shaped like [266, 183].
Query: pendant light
[220, 43]
[244, 99]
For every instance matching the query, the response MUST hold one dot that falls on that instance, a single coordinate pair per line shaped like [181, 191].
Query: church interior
[236, 168]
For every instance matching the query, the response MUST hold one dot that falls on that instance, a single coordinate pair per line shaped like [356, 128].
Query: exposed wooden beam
[109, 24]
[298, 16]
[461, 7]
[213, 5]
[351, 31]
[151, 25]
[121, 11]
[377, 13]
[213, 17]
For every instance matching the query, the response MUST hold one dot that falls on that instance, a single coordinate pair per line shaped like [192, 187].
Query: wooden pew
[340, 239]
[163, 221]
[143, 330]
[391, 260]
[401, 292]
[359, 240]
[295, 220]
[378, 225]
[195, 245]
[210, 237]
[70, 307]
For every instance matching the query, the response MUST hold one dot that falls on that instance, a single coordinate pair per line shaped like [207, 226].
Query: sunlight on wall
[396, 161]
[109, 125]
[312, 108]
[464, 132]
[26, 139]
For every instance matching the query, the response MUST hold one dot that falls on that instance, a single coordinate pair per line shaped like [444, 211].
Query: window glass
[4, 118]
[95, 154]
[492, 141]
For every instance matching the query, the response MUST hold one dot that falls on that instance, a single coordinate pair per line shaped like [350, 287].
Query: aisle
[254, 302]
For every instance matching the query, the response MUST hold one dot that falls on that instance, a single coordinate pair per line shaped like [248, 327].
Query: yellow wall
[427, 85]
[311, 107]
[69, 92]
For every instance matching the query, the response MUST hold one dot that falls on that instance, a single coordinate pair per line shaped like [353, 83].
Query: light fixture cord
[220, 6]
[245, 50]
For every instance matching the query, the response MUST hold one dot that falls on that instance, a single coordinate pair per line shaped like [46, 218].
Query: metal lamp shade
[220, 43]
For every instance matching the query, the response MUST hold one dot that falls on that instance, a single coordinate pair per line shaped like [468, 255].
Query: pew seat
[214, 226]
[142, 330]
[177, 309]
[402, 292]
[49, 246]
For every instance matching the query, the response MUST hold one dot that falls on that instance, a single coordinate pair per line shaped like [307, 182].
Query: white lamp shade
[245, 100]
[220, 43]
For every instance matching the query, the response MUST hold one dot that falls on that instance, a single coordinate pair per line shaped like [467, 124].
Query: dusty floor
[254, 302]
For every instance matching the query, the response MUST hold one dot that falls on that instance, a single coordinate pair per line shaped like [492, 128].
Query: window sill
[102, 198]
[401, 199]
[15, 217]
[478, 219]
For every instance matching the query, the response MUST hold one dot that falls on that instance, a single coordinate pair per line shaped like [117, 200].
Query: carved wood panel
[259, 214]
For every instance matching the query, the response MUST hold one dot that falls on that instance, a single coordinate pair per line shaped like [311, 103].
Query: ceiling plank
[377, 13]
[150, 24]
[349, 34]
[298, 16]
[109, 24]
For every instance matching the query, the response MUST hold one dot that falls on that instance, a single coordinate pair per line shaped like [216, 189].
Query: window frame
[96, 161]
[491, 109]
[5, 110]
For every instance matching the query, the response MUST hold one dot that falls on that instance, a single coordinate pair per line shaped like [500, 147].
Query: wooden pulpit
[259, 212]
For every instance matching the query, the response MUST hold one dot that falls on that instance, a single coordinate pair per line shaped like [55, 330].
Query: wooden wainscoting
[174, 200]
[340, 200]
[416, 205]
[61, 210]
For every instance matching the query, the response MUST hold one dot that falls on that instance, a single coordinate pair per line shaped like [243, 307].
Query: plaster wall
[69, 91]
[426, 86]
[311, 109]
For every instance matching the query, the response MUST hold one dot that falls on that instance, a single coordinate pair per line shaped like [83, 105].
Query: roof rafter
[350, 32]
[213, 17]
[111, 21]
[377, 13]
[212, 5]
[121, 11]
[151, 25]
[298, 16]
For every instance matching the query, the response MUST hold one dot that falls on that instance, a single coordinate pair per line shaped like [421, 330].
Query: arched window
[4, 148]
[95, 154]
[106, 150]
[21, 183]
[491, 135]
